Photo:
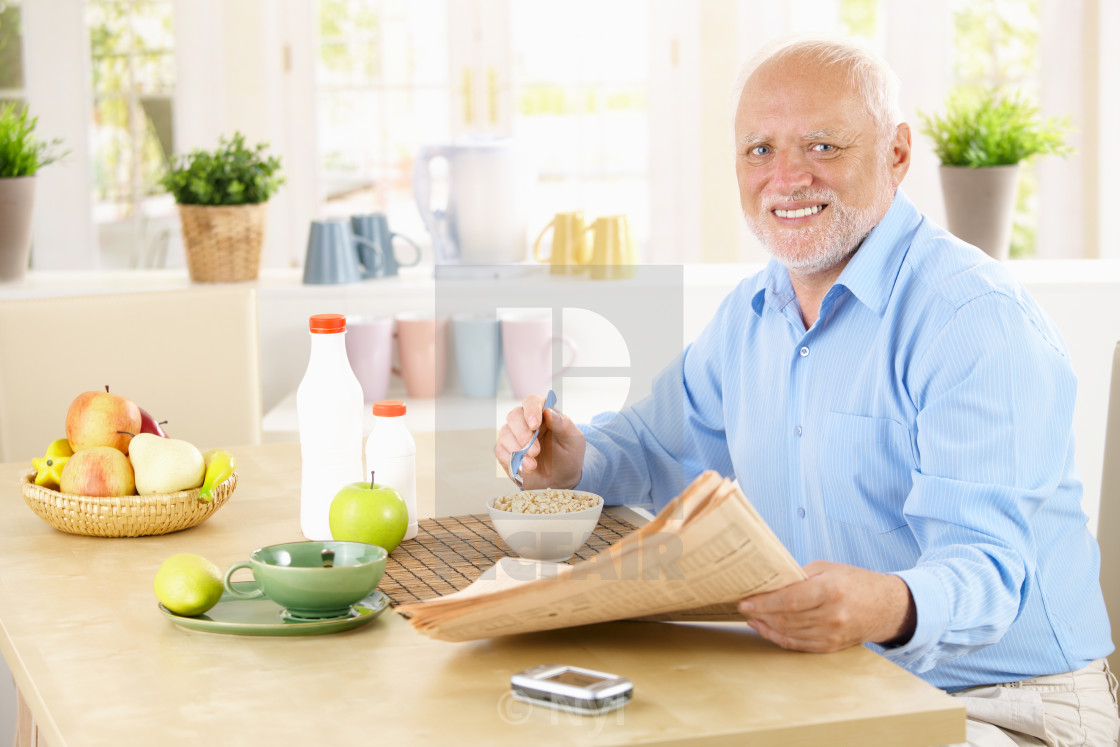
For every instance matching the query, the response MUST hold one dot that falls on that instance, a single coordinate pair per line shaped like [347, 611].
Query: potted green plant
[222, 196]
[21, 156]
[981, 138]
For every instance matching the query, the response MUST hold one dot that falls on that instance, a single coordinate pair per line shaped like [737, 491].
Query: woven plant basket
[123, 516]
[223, 242]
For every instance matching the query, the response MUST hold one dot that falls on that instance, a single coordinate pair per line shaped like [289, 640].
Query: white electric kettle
[483, 221]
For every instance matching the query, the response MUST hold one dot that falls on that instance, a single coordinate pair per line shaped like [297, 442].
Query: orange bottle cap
[390, 408]
[327, 323]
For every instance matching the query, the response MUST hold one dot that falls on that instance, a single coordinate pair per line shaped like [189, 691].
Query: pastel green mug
[314, 579]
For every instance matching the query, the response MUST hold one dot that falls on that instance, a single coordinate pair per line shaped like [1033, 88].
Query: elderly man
[896, 407]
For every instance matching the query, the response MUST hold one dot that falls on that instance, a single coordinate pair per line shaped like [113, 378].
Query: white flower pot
[980, 205]
[17, 197]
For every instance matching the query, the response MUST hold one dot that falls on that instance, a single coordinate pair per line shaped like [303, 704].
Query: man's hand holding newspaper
[706, 550]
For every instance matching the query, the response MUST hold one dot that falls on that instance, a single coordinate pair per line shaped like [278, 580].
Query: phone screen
[568, 677]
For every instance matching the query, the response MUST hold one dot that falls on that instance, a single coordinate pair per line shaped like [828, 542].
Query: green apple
[370, 513]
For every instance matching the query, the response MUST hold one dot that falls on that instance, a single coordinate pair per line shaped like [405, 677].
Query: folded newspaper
[706, 550]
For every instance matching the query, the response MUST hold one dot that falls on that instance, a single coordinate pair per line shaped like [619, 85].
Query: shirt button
[797, 430]
[801, 513]
[804, 352]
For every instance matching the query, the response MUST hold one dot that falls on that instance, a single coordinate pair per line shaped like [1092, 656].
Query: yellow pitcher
[571, 250]
[614, 253]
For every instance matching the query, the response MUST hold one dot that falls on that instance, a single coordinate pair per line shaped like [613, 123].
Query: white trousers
[1059, 710]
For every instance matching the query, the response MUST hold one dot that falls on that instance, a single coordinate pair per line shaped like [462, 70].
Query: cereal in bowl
[546, 501]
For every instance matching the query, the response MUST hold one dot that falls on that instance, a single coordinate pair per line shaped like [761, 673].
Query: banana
[220, 464]
[60, 447]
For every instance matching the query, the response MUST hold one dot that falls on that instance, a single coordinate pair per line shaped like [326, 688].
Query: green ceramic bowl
[314, 579]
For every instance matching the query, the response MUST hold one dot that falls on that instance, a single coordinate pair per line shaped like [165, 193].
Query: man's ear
[900, 152]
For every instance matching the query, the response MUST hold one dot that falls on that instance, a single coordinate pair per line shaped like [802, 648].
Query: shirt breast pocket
[865, 471]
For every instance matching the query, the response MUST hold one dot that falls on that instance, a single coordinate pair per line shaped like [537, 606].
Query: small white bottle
[391, 455]
[329, 407]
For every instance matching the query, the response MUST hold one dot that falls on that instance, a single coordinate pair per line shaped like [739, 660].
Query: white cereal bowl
[549, 537]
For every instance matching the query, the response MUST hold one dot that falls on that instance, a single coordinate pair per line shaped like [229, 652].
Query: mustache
[819, 193]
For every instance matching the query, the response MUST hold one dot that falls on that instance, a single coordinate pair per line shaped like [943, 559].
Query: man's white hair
[870, 75]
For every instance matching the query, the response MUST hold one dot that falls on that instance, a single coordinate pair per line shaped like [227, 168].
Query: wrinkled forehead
[803, 69]
[802, 87]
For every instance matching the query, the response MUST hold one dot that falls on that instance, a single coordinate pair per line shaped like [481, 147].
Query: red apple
[98, 471]
[148, 424]
[102, 419]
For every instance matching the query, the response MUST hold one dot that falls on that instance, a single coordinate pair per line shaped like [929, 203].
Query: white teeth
[799, 213]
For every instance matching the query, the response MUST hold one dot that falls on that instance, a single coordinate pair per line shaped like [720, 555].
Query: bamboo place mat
[449, 553]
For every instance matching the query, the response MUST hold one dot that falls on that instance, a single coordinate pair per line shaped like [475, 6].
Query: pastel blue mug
[373, 228]
[478, 353]
[333, 256]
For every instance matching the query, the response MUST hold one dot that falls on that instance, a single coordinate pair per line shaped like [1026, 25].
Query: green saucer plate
[262, 616]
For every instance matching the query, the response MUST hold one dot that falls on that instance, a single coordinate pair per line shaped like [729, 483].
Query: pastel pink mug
[422, 348]
[369, 346]
[527, 351]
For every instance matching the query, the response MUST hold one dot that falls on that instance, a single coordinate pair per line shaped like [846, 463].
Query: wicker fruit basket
[223, 242]
[123, 516]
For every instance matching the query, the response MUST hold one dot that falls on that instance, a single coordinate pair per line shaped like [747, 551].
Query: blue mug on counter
[333, 255]
[478, 353]
[373, 229]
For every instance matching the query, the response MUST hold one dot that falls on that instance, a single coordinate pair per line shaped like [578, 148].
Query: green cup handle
[257, 592]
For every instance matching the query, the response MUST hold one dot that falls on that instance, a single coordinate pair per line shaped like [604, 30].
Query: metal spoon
[328, 557]
[518, 456]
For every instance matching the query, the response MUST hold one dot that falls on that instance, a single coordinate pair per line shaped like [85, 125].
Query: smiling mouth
[800, 212]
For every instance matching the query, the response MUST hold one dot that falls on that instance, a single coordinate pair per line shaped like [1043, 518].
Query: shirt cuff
[593, 466]
[932, 606]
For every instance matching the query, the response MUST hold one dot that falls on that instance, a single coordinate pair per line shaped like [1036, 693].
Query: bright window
[622, 101]
[132, 63]
[11, 54]
[581, 106]
[384, 85]
[996, 45]
[382, 92]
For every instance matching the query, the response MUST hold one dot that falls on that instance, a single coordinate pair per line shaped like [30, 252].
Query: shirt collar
[776, 290]
[871, 273]
[872, 270]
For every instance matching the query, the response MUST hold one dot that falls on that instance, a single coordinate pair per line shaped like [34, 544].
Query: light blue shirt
[921, 427]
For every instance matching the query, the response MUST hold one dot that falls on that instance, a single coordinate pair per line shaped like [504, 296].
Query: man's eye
[823, 147]
[759, 150]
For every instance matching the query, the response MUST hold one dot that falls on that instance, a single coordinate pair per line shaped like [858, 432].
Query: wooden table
[99, 665]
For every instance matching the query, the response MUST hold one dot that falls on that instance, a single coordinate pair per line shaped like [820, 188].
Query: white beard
[823, 246]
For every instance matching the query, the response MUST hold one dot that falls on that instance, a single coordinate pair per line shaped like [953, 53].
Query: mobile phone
[573, 689]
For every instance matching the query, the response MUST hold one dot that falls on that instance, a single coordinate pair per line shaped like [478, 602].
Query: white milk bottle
[329, 407]
[391, 455]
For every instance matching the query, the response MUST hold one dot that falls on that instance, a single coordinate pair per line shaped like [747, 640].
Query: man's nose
[792, 170]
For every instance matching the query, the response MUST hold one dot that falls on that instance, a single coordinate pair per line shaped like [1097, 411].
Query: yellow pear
[165, 465]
